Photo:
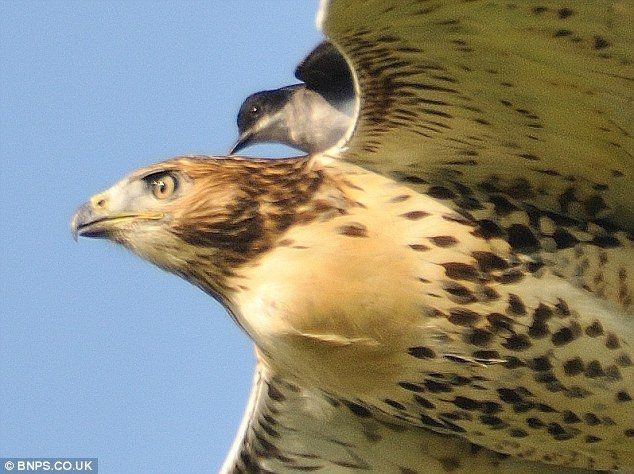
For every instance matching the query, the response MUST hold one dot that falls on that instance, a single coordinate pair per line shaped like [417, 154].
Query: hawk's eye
[162, 185]
[254, 110]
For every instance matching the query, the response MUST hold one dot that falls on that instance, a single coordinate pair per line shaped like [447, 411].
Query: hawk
[451, 288]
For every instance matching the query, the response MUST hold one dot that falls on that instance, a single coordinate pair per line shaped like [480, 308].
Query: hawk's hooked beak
[94, 219]
[244, 140]
[85, 222]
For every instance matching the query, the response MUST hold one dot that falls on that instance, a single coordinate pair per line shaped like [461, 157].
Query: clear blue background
[101, 354]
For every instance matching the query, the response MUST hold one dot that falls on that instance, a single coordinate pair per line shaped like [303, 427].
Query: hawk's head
[201, 217]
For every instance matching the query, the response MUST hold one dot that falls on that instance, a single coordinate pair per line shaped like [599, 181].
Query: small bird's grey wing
[326, 71]
[287, 429]
[526, 98]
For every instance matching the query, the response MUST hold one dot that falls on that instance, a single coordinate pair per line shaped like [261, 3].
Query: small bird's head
[200, 217]
[261, 118]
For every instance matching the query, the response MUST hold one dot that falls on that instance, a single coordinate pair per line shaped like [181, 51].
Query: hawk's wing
[529, 98]
[288, 428]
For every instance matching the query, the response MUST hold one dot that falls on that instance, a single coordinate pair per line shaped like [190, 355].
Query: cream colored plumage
[450, 289]
[441, 353]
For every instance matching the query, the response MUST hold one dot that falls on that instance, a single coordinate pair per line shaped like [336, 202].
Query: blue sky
[101, 354]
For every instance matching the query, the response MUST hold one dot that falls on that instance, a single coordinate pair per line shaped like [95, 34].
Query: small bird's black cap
[257, 107]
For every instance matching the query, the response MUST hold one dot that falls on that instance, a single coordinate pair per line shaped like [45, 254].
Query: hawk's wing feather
[530, 98]
[288, 429]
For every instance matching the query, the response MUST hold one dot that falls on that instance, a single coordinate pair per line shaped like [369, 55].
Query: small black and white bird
[312, 116]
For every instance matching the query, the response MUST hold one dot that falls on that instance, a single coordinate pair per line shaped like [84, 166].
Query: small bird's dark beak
[244, 140]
